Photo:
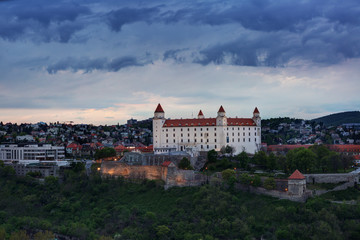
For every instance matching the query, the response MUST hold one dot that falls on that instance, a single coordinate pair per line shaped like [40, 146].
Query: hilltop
[339, 118]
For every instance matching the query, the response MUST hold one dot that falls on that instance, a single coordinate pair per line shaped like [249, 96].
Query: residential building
[31, 153]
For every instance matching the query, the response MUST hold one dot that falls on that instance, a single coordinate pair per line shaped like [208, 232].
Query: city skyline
[106, 62]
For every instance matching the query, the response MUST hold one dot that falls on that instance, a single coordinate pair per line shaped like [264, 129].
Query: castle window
[238, 134]
[194, 129]
[174, 134]
[188, 140]
[238, 139]
[244, 129]
[232, 128]
[207, 146]
[243, 139]
[174, 130]
[201, 146]
[215, 146]
[201, 134]
[233, 134]
[200, 129]
[167, 140]
[166, 135]
[249, 134]
[181, 135]
[181, 129]
[214, 129]
[238, 128]
[233, 140]
[194, 134]
[188, 129]
[174, 140]
[255, 139]
[188, 134]
[166, 129]
[227, 134]
[195, 140]
[215, 134]
[201, 140]
[243, 134]
[207, 140]
[215, 139]
[207, 129]
[249, 129]
[227, 139]
[249, 140]
[255, 133]
[181, 140]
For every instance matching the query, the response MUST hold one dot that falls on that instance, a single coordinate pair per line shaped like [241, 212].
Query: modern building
[31, 153]
[204, 134]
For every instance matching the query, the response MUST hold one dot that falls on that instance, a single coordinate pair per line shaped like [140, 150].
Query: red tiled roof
[357, 157]
[285, 147]
[296, 175]
[345, 147]
[221, 109]
[207, 122]
[240, 122]
[166, 163]
[159, 108]
[256, 110]
[200, 113]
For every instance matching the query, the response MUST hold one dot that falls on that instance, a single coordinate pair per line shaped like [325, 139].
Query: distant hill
[339, 118]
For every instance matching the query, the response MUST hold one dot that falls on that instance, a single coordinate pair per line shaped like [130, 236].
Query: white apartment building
[31, 153]
[204, 134]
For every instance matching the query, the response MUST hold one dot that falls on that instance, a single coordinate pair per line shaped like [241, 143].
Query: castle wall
[331, 178]
[172, 176]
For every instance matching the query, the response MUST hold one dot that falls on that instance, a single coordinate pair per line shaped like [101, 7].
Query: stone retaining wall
[331, 178]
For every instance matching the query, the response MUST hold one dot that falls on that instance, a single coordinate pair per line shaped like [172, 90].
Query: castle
[204, 134]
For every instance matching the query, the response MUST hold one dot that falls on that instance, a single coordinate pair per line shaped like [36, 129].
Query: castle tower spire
[200, 115]
[159, 112]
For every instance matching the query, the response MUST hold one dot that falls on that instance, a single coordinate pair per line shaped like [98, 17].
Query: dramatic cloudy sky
[103, 62]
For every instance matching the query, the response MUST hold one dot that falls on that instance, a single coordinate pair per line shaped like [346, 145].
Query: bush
[269, 183]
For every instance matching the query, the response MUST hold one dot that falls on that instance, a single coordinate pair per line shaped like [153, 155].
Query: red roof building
[297, 175]
[159, 109]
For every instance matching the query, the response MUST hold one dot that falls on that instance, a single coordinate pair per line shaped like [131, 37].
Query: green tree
[228, 175]
[162, 231]
[260, 158]
[212, 156]
[243, 159]
[271, 161]
[44, 235]
[105, 153]
[185, 164]
[19, 235]
[269, 183]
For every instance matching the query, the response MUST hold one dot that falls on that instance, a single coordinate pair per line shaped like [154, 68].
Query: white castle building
[204, 134]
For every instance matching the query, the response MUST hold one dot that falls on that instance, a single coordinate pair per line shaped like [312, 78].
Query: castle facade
[204, 134]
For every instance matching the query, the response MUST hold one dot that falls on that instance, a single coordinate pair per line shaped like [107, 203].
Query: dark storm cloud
[89, 65]
[117, 19]
[276, 32]
[35, 20]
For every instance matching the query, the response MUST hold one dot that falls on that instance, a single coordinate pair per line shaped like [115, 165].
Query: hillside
[339, 118]
[98, 208]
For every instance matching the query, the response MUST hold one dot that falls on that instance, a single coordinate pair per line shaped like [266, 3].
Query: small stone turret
[221, 119]
[296, 184]
[256, 117]
[159, 112]
[201, 115]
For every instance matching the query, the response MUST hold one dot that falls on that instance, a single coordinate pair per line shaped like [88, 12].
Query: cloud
[118, 18]
[41, 21]
[88, 65]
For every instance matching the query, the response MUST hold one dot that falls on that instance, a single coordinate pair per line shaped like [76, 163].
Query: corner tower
[221, 119]
[256, 117]
[158, 122]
